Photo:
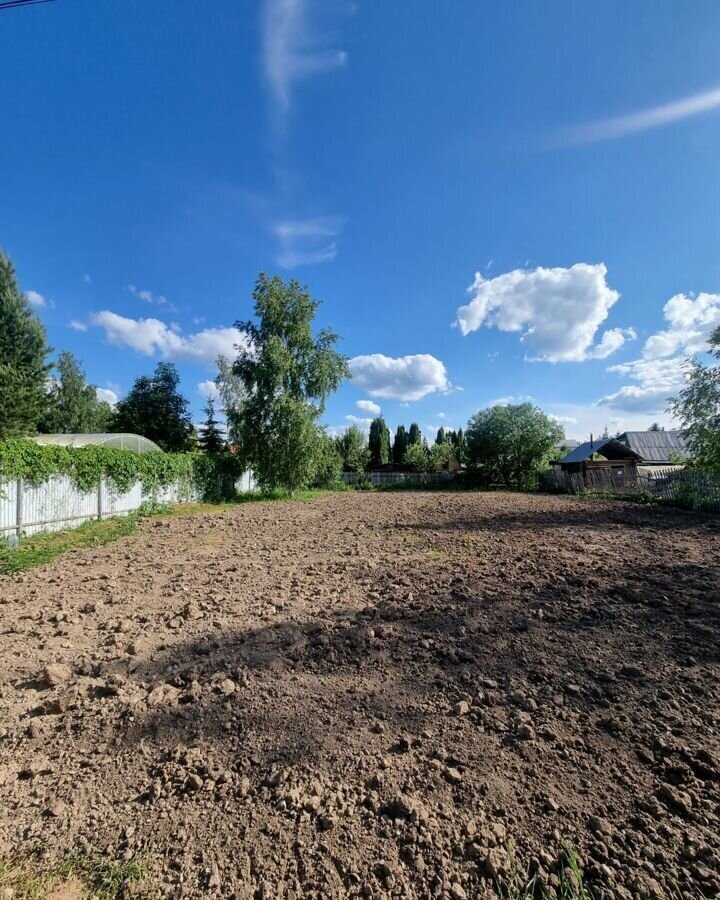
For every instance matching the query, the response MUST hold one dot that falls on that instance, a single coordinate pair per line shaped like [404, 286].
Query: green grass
[520, 885]
[43, 548]
[99, 878]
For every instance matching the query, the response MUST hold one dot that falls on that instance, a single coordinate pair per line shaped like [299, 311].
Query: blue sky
[493, 200]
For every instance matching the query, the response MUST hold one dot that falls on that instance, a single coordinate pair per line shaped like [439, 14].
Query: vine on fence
[213, 476]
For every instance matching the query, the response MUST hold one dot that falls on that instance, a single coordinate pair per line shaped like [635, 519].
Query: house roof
[567, 444]
[656, 446]
[610, 448]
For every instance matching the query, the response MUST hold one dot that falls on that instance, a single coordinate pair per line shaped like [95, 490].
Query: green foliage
[414, 435]
[511, 444]
[697, 406]
[232, 395]
[417, 457]
[156, 409]
[440, 437]
[441, 456]
[379, 442]
[400, 445]
[286, 375]
[73, 405]
[353, 448]
[210, 439]
[23, 351]
[328, 464]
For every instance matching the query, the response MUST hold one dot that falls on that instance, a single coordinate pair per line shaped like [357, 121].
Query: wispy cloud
[154, 299]
[293, 47]
[302, 242]
[642, 120]
[77, 325]
[36, 299]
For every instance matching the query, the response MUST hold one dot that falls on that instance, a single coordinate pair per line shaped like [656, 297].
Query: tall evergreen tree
[400, 445]
[210, 438]
[414, 435]
[74, 407]
[23, 353]
[440, 437]
[156, 409]
[379, 442]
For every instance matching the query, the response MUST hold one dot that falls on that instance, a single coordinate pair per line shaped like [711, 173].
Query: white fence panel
[55, 504]
[8, 507]
[114, 504]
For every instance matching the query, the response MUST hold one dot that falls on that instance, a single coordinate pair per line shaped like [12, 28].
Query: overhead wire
[10, 4]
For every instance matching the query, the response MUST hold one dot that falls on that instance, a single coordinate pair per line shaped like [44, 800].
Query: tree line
[273, 395]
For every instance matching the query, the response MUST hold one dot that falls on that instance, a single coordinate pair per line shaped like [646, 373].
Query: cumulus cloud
[107, 395]
[564, 420]
[293, 48]
[368, 406]
[557, 311]
[77, 325]
[304, 242]
[642, 120]
[36, 299]
[401, 378]
[154, 338]
[658, 373]
[209, 390]
[360, 421]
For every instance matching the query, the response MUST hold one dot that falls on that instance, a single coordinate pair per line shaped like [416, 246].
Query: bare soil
[376, 695]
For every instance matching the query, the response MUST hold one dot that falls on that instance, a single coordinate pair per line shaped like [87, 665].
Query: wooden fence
[686, 488]
[380, 478]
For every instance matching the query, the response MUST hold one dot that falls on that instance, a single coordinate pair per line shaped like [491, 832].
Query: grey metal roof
[567, 444]
[656, 446]
[610, 448]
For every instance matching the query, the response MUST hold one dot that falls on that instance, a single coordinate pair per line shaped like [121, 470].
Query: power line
[9, 4]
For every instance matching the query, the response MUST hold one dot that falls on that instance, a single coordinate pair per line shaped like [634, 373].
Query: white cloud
[209, 390]
[511, 399]
[658, 374]
[36, 299]
[304, 242]
[564, 420]
[149, 297]
[368, 406]
[558, 311]
[405, 378]
[154, 338]
[87, 279]
[360, 421]
[293, 48]
[643, 120]
[107, 395]
[77, 325]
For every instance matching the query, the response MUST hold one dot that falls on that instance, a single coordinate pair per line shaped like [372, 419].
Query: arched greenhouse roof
[134, 442]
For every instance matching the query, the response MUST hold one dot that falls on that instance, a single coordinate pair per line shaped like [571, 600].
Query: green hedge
[214, 476]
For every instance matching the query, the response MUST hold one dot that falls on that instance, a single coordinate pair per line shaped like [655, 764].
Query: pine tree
[210, 439]
[379, 442]
[400, 445]
[414, 435]
[440, 438]
[23, 366]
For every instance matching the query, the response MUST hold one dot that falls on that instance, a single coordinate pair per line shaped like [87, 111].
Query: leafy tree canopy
[23, 353]
[511, 443]
[353, 448]
[287, 374]
[418, 458]
[697, 406]
[414, 435]
[400, 445]
[155, 408]
[74, 407]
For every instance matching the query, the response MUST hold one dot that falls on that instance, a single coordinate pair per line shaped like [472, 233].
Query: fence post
[99, 498]
[19, 506]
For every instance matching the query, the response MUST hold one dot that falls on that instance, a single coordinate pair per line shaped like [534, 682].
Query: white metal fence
[57, 504]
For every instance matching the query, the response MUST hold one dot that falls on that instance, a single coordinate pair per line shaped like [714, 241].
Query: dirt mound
[376, 695]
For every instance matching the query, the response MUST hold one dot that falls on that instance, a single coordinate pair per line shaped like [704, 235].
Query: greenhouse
[134, 442]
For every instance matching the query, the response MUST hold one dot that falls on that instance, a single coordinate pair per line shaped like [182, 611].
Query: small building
[657, 448]
[616, 468]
